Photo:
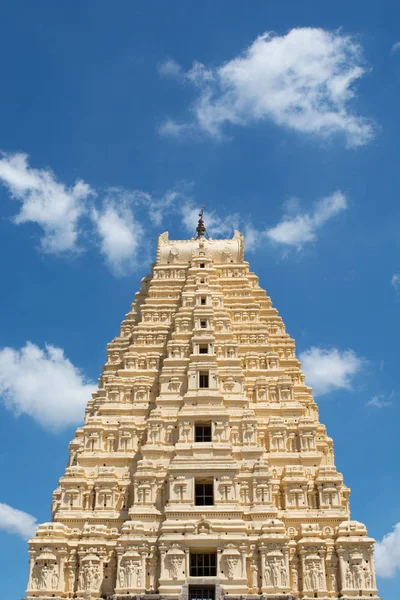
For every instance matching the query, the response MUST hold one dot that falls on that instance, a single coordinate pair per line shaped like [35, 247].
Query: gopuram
[202, 471]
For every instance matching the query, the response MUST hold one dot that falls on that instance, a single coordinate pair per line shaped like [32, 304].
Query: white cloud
[172, 129]
[43, 384]
[303, 80]
[55, 207]
[298, 229]
[170, 68]
[379, 401]
[121, 235]
[387, 553]
[330, 369]
[396, 47]
[17, 521]
[396, 282]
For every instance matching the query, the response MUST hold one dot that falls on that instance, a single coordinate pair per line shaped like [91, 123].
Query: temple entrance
[201, 592]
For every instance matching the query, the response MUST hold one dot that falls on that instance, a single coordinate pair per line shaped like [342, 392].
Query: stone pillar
[243, 554]
[143, 561]
[153, 569]
[187, 563]
[61, 577]
[342, 569]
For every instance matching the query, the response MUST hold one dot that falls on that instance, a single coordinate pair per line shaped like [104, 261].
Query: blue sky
[116, 123]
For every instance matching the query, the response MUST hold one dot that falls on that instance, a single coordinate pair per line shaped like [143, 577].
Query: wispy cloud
[329, 369]
[17, 522]
[396, 282]
[43, 384]
[300, 228]
[396, 47]
[380, 401]
[387, 553]
[304, 80]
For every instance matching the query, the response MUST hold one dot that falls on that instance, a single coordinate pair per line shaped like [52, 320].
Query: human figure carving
[283, 574]
[268, 574]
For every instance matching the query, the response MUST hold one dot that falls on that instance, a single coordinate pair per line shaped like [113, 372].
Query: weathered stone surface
[203, 437]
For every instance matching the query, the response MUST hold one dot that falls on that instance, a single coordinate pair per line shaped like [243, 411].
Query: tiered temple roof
[201, 469]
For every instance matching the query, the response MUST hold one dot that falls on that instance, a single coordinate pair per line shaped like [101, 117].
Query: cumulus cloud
[396, 282]
[329, 369]
[17, 522]
[55, 207]
[120, 234]
[304, 80]
[387, 553]
[43, 384]
[298, 229]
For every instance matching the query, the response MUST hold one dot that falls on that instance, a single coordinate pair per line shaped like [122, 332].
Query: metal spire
[201, 228]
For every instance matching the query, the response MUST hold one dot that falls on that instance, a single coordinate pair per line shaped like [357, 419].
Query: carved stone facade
[201, 390]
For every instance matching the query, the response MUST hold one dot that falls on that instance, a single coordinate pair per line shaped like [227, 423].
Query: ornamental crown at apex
[201, 466]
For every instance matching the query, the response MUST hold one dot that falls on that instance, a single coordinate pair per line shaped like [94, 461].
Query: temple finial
[201, 228]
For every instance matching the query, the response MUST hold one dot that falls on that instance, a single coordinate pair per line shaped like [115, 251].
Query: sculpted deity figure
[254, 573]
[275, 573]
[320, 577]
[121, 577]
[71, 579]
[268, 574]
[333, 582]
[54, 578]
[349, 579]
[186, 431]
[368, 580]
[307, 578]
[235, 434]
[45, 579]
[176, 564]
[231, 563]
[358, 576]
[314, 576]
[295, 578]
[283, 574]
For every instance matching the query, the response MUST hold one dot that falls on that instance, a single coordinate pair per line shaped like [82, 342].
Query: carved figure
[268, 575]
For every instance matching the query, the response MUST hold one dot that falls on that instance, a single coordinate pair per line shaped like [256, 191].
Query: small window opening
[203, 349]
[202, 265]
[203, 564]
[203, 300]
[203, 324]
[204, 492]
[202, 432]
[204, 379]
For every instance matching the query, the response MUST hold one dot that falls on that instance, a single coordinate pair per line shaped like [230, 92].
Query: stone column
[153, 570]
[286, 561]
[32, 554]
[61, 577]
[187, 563]
[262, 560]
[143, 557]
[243, 554]
[163, 551]
[342, 569]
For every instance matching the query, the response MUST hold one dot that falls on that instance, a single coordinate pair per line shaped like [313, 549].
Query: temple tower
[201, 470]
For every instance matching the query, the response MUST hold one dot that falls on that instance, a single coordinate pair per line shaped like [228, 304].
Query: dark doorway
[201, 592]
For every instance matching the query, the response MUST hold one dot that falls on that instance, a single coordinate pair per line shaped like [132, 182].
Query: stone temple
[202, 471]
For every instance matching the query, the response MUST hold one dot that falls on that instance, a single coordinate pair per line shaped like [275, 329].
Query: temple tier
[201, 470]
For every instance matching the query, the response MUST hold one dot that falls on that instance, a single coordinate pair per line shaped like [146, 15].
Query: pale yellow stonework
[124, 517]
